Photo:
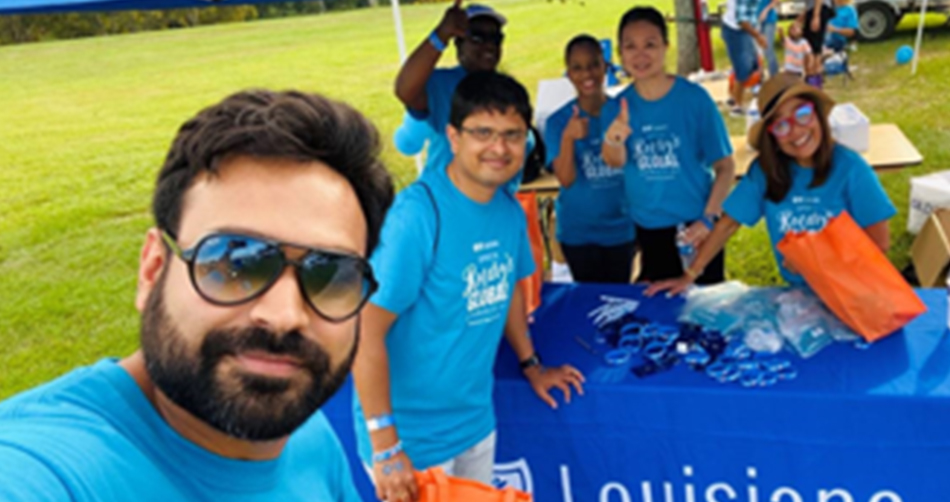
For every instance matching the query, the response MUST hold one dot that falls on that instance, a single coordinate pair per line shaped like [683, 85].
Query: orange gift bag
[435, 486]
[531, 286]
[852, 277]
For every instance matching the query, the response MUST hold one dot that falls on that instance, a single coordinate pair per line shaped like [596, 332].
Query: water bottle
[752, 115]
[686, 250]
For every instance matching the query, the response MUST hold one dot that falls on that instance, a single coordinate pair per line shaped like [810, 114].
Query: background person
[741, 36]
[427, 91]
[674, 149]
[800, 179]
[843, 27]
[814, 23]
[768, 23]
[593, 227]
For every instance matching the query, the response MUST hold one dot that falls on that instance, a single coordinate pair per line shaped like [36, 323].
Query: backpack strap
[438, 220]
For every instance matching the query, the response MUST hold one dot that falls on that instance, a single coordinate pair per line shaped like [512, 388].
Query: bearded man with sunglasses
[451, 252]
[426, 91]
[249, 287]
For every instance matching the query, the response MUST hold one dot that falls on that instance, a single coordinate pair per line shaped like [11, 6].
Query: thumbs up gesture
[454, 23]
[619, 129]
[576, 127]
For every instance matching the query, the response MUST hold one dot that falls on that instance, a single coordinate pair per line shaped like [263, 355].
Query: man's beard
[240, 404]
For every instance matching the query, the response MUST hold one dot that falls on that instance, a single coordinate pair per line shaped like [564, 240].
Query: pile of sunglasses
[649, 348]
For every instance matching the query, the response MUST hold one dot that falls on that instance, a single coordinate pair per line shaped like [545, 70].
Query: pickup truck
[876, 18]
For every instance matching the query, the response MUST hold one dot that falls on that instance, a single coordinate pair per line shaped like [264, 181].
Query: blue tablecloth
[856, 425]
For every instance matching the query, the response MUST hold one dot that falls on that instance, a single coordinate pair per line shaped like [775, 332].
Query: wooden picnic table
[889, 150]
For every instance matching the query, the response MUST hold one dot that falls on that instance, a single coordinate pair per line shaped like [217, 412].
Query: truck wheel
[876, 21]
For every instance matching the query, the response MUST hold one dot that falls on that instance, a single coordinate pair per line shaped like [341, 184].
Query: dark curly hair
[285, 125]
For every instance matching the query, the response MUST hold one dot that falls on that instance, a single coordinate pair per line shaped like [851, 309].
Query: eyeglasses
[231, 269]
[485, 38]
[489, 135]
[804, 115]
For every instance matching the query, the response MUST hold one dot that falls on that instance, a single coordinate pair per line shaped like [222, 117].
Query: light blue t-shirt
[91, 435]
[771, 17]
[675, 141]
[846, 16]
[851, 186]
[451, 299]
[439, 91]
[593, 210]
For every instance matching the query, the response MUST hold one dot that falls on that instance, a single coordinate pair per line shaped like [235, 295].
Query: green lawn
[84, 126]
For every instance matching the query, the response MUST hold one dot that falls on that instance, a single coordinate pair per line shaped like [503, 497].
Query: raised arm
[415, 72]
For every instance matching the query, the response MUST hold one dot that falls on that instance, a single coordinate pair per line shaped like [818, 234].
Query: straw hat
[778, 90]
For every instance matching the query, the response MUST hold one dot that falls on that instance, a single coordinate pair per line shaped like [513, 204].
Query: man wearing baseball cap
[426, 91]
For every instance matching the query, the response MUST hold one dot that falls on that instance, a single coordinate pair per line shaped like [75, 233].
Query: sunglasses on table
[485, 38]
[231, 269]
[804, 115]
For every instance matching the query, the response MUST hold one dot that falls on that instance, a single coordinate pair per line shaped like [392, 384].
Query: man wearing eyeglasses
[249, 286]
[426, 91]
[451, 251]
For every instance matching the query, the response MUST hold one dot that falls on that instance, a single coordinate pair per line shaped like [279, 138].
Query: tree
[687, 45]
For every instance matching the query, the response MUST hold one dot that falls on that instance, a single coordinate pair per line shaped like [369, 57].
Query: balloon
[904, 54]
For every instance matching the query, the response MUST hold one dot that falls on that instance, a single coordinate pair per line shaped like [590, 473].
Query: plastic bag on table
[712, 307]
[807, 325]
[756, 324]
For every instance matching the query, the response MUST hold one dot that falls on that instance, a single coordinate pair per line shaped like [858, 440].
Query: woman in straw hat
[800, 179]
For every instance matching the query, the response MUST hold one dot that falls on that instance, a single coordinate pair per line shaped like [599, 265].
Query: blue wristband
[708, 222]
[388, 453]
[436, 41]
[378, 422]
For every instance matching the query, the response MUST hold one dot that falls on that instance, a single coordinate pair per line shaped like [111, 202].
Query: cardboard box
[927, 193]
[931, 250]
[850, 127]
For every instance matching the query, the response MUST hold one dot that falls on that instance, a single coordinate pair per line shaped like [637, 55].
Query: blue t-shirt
[845, 17]
[593, 210]
[675, 141]
[851, 186]
[451, 299]
[91, 435]
[772, 16]
[439, 90]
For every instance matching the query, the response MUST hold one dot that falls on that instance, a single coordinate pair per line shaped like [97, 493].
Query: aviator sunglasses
[231, 269]
[804, 115]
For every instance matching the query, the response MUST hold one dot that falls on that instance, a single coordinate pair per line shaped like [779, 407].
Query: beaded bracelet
[387, 454]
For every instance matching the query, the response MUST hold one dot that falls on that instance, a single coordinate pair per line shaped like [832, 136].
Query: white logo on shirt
[594, 167]
[656, 154]
[487, 285]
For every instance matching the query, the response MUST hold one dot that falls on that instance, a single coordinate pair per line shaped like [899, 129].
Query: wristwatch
[530, 362]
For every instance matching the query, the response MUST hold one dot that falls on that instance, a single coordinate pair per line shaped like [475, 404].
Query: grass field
[84, 126]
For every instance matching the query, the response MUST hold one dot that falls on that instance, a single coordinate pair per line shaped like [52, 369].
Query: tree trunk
[687, 45]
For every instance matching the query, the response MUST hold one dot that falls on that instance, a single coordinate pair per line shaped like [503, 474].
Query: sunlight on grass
[85, 125]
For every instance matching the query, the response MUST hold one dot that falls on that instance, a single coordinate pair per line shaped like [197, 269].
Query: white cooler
[850, 127]
[926, 194]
